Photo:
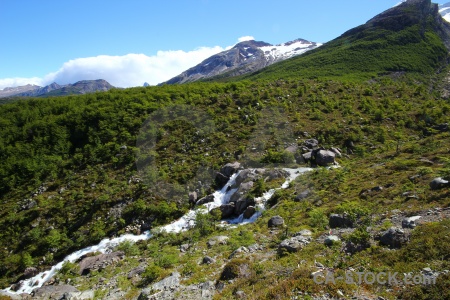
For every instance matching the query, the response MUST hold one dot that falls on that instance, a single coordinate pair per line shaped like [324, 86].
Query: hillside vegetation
[73, 170]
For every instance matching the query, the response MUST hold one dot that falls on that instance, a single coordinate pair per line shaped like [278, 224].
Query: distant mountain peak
[245, 57]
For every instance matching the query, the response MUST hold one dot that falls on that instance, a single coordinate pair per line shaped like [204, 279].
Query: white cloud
[12, 82]
[246, 38]
[122, 71]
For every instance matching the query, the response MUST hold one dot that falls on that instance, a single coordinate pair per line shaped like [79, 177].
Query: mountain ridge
[245, 57]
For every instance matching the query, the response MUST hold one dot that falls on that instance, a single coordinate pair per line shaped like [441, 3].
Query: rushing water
[187, 221]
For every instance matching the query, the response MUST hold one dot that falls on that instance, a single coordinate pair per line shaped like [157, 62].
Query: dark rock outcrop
[276, 221]
[394, 237]
[100, 261]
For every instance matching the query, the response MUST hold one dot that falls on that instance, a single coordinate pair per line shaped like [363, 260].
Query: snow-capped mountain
[444, 10]
[244, 57]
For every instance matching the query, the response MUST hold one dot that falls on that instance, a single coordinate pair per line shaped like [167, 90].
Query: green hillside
[71, 171]
[408, 38]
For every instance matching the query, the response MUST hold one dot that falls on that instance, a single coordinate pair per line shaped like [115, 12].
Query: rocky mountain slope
[54, 89]
[245, 57]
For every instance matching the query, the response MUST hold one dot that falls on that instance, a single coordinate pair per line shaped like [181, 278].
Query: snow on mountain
[245, 57]
[444, 10]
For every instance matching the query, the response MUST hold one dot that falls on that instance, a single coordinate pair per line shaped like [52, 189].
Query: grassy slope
[72, 142]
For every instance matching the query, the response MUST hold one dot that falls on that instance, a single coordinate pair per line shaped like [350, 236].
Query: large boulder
[53, 291]
[193, 197]
[242, 204]
[236, 269]
[227, 210]
[249, 211]
[276, 221]
[206, 199]
[311, 143]
[325, 158]
[100, 261]
[230, 168]
[340, 221]
[293, 244]
[302, 195]
[331, 239]
[394, 237]
[30, 272]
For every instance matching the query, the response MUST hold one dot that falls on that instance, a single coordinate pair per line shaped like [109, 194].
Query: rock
[293, 244]
[145, 227]
[85, 295]
[236, 269]
[276, 221]
[208, 260]
[245, 175]
[311, 143]
[230, 168]
[30, 272]
[307, 156]
[227, 210]
[184, 247]
[242, 191]
[99, 261]
[302, 195]
[53, 291]
[291, 149]
[249, 211]
[221, 180]
[331, 239]
[241, 249]
[206, 199]
[275, 174]
[169, 282]
[340, 221]
[438, 183]
[136, 271]
[16, 286]
[394, 238]
[220, 239]
[325, 158]
[193, 197]
[410, 222]
[336, 151]
[242, 204]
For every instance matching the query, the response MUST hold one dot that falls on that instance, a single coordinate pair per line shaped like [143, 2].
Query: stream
[184, 223]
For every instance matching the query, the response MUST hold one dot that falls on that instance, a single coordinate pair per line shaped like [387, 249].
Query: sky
[131, 42]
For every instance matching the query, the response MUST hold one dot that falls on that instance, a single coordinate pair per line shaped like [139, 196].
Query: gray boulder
[208, 260]
[30, 272]
[227, 210]
[193, 197]
[249, 211]
[394, 237]
[340, 221]
[438, 183]
[53, 291]
[325, 158]
[293, 244]
[276, 221]
[302, 195]
[206, 199]
[100, 261]
[311, 143]
[230, 168]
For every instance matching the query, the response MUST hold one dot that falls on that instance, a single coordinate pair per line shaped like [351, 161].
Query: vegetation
[76, 169]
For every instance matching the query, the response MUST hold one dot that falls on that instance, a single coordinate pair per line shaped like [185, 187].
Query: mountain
[54, 89]
[444, 10]
[11, 91]
[244, 57]
[409, 38]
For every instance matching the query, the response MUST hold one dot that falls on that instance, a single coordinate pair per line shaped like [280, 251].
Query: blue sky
[134, 41]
